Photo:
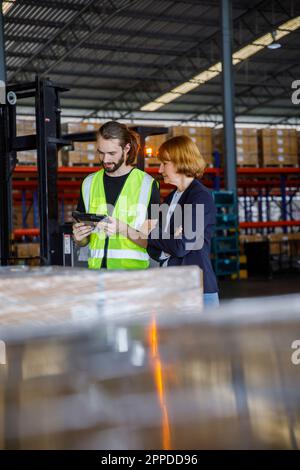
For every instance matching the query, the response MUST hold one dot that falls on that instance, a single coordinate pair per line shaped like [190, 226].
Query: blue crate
[224, 198]
[225, 244]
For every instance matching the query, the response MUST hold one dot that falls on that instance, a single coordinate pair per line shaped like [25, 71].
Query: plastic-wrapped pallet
[52, 294]
[165, 383]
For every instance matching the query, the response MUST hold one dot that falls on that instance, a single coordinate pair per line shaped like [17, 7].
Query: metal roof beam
[69, 47]
[136, 77]
[281, 110]
[69, 6]
[130, 13]
[94, 46]
[98, 75]
[133, 64]
[70, 97]
[106, 30]
[63, 35]
[200, 49]
[286, 91]
[97, 62]
[249, 92]
[88, 86]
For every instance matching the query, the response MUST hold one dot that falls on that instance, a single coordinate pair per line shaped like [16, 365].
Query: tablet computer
[87, 219]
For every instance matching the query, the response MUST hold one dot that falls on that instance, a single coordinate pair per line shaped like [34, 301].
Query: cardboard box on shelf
[74, 157]
[279, 243]
[278, 147]
[90, 158]
[82, 153]
[83, 158]
[256, 237]
[294, 242]
[84, 147]
[248, 238]
[17, 217]
[246, 146]
[152, 144]
[27, 250]
[25, 127]
[75, 127]
[27, 157]
[275, 159]
[202, 136]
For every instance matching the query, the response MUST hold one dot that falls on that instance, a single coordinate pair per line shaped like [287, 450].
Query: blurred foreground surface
[119, 361]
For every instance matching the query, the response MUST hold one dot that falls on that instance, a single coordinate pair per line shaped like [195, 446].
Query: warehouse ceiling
[117, 55]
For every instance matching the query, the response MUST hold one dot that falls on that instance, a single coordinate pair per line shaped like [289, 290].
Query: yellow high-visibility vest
[131, 207]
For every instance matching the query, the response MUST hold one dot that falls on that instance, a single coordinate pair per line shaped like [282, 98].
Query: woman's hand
[111, 226]
[81, 233]
[148, 226]
[178, 232]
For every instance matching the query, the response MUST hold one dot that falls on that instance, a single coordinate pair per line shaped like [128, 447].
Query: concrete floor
[279, 284]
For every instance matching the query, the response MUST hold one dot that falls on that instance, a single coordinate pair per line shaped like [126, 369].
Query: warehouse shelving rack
[255, 186]
[257, 183]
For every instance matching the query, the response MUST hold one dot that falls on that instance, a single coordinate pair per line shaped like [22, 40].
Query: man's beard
[114, 166]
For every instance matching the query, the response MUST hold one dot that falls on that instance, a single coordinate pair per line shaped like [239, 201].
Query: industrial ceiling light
[267, 40]
[274, 44]
[7, 6]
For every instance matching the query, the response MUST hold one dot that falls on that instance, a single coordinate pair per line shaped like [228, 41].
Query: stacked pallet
[278, 243]
[278, 147]
[29, 157]
[83, 153]
[250, 238]
[263, 147]
[246, 146]
[202, 136]
[18, 217]
[26, 127]
[27, 250]
[294, 239]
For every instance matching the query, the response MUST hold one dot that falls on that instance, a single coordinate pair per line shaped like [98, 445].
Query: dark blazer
[180, 247]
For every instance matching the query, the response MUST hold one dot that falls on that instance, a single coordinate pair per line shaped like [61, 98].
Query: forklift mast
[46, 142]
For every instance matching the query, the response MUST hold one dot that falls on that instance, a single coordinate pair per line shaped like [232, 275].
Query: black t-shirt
[113, 186]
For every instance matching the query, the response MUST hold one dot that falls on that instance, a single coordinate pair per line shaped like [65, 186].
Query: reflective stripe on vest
[143, 200]
[120, 254]
[86, 188]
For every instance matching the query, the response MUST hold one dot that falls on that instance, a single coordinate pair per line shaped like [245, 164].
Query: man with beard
[119, 190]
